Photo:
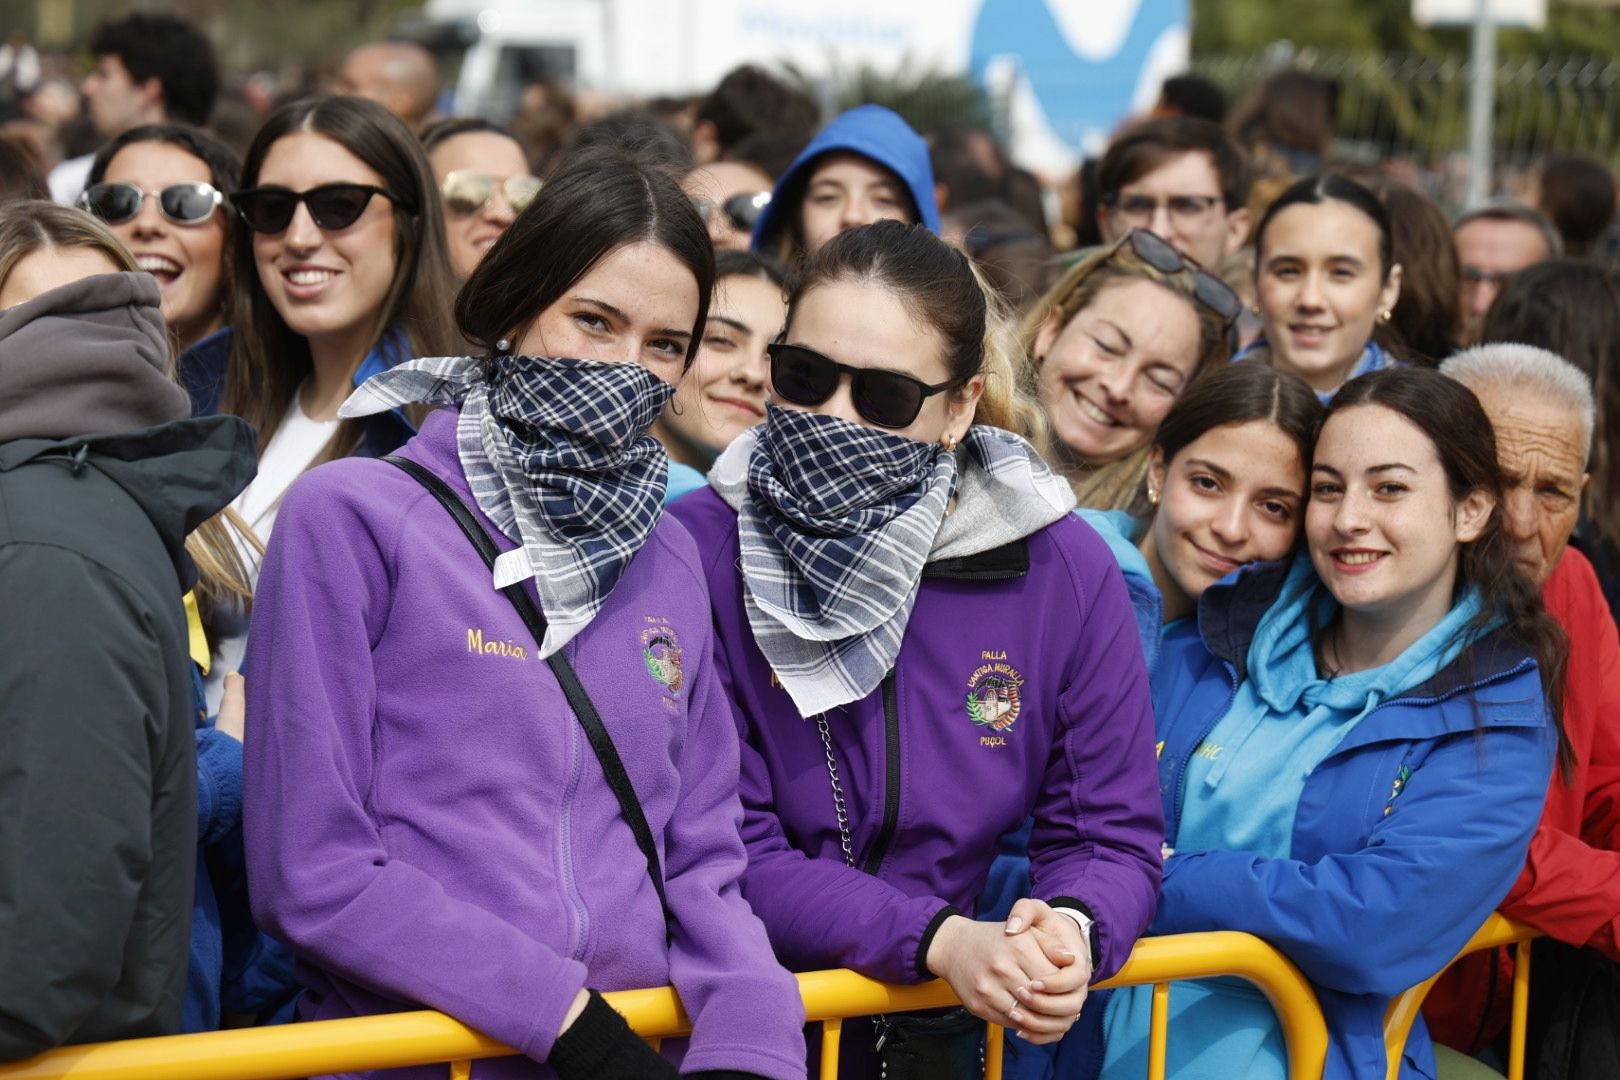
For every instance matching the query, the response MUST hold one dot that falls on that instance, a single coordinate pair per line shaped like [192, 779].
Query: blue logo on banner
[1080, 96]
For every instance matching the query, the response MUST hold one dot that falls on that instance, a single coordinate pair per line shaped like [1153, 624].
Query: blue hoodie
[1407, 825]
[873, 132]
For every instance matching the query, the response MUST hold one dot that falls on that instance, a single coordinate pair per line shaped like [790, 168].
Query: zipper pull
[881, 1026]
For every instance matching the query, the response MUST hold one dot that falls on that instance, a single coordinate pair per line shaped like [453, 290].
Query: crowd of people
[478, 567]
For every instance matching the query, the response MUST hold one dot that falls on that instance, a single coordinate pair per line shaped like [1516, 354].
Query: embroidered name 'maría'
[477, 644]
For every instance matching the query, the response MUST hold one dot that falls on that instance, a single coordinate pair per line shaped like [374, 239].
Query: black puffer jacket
[97, 771]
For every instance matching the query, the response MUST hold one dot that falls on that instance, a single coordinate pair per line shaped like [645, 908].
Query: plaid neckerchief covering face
[558, 457]
[838, 523]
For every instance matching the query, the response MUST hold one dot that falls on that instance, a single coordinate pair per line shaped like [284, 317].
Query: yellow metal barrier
[1497, 931]
[426, 1038]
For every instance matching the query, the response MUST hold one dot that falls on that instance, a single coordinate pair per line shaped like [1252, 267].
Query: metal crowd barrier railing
[1497, 931]
[830, 997]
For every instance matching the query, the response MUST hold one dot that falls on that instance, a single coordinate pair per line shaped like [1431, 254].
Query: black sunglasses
[183, 204]
[1208, 289]
[331, 206]
[744, 210]
[887, 399]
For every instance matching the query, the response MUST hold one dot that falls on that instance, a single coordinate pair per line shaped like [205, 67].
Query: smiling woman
[526, 877]
[1326, 279]
[725, 391]
[1110, 348]
[1327, 721]
[162, 189]
[339, 270]
[485, 180]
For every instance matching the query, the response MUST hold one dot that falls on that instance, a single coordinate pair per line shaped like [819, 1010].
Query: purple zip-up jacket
[930, 786]
[427, 825]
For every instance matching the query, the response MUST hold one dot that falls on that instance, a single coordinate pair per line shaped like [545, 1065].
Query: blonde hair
[226, 552]
[1008, 400]
[1114, 485]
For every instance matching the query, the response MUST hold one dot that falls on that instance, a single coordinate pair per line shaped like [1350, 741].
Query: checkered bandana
[558, 457]
[836, 526]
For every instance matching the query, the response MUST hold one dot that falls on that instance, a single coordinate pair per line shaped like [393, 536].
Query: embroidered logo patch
[661, 654]
[1401, 777]
[993, 693]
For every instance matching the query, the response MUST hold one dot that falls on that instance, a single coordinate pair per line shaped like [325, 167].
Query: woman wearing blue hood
[867, 165]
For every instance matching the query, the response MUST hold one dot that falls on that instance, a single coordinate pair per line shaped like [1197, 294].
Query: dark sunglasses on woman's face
[331, 206]
[744, 211]
[1208, 289]
[183, 204]
[887, 399]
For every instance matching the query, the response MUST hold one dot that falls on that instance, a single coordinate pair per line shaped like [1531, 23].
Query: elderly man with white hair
[1542, 409]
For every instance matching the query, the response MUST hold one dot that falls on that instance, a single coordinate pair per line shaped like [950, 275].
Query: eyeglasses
[466, 192]
[331, 206]
[887, 399]
[1183, 209]
[1208, 289]
[183, 204]
[744, 211]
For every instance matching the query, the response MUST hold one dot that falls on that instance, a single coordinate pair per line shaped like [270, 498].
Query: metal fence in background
[1416, 107]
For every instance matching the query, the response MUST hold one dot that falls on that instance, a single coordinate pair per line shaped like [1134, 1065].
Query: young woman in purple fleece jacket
[427, 824]
[925, 648]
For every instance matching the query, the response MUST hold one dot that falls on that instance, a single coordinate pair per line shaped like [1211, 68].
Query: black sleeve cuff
[1085, 909]
[599, 1045]
[928, 939]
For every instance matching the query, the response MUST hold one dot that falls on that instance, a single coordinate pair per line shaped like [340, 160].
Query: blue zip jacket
[1406, 836]
[202, 369]
[873, 132]
[233, 967]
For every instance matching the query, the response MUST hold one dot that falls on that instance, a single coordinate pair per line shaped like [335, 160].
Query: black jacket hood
[180, 474]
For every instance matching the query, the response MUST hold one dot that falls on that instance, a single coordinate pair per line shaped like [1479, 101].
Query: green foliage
[1229, 26]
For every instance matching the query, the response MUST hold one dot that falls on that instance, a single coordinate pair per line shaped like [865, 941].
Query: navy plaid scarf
[837, 524]
[557, 455]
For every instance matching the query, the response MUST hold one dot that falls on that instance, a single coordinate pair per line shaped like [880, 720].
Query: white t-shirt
[295, 445]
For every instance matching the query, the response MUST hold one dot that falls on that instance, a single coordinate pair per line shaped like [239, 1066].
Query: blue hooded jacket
[871, 131]
[1406, 834]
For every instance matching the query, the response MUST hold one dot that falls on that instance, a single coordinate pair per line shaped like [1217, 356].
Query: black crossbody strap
[578, 700]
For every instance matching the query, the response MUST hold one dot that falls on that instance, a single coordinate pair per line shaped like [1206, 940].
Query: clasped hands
[1030, 973]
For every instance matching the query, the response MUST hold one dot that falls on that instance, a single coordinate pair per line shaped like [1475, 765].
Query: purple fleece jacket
[1073, 747]
[426, 822]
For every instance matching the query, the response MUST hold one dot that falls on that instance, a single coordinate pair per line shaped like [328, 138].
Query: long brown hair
[1117, 484]
[226, 552]
[268, 359]
[1449, 414]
